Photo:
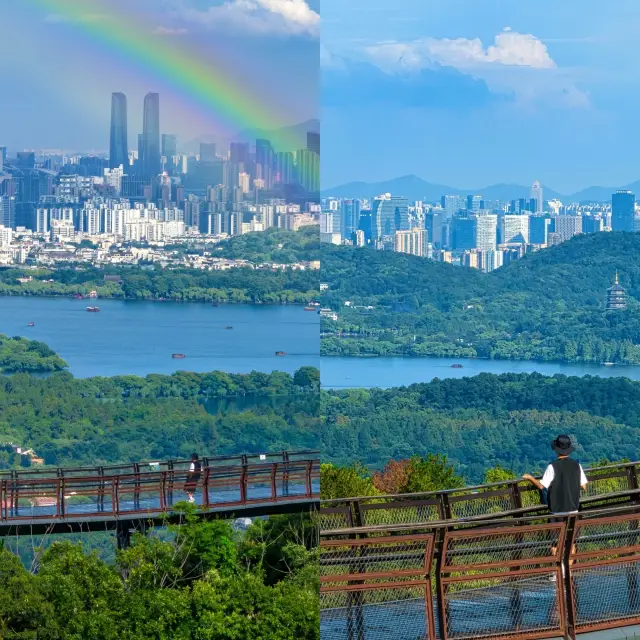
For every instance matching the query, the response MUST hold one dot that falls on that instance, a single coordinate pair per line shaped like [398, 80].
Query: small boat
[280, 353]
[178, 355]
[228, 327]
[93, 309]
[309, 308]
[31, 324]
[77, 296]
[456, 366]
[608, 364]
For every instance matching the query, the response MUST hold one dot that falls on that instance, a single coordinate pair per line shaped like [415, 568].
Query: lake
[137, 337]
[339, 373]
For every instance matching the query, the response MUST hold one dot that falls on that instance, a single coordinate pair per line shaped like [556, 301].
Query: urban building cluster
[153, 194]
[469, 230]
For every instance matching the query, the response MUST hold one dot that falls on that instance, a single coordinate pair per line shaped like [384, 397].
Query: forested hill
[550, 305]
[484, 421]
[126, 418]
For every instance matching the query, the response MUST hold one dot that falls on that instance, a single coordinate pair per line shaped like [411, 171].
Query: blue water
[338, 373]
[131, 337]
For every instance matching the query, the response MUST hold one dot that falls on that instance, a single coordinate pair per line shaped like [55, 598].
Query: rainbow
[206, 83]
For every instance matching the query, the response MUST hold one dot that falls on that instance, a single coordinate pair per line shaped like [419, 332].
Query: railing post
[439, 550]
[3, 500]
[243, 484]
[308, 479]
[285, 476]
[274, 491]
[60, 491]
[567, 579]
[136, 490]
[170, 476]
[632, 479]
[516, 496]
[205, 487]
[102, 488]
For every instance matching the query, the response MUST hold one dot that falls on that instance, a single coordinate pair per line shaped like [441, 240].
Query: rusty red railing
[138, 489]
[505, 579]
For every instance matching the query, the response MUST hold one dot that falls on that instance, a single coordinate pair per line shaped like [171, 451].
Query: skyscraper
[313, 142]
[265, 161]
[622, 211]
[207, 152]
[169, 145]
[118, 147]
[151, 135]
[388, 215]
[536, 194]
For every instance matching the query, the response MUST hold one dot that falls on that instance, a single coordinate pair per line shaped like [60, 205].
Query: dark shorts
[191, 483]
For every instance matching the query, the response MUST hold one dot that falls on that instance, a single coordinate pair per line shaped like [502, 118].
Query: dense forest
[153, 282]
[550, 305]
[483, 422]
[202, 582]
[29, 356]
[126, 418]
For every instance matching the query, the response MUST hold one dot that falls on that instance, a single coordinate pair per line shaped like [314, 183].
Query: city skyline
[479, 93]
[218, 74]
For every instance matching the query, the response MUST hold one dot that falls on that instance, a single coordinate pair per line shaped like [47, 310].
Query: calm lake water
[338, 373]
[131, 337]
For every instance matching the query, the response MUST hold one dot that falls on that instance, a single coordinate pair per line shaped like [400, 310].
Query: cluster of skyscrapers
[467, 229]
[216, 191]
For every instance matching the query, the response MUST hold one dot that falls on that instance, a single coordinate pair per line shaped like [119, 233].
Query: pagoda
[616, 297]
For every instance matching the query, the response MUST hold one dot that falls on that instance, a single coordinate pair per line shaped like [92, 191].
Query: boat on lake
[228, 327]
[280, 353]
[77, 296]
[309, 308]
[456, 366]
[608, 364]
[178, 355]
[31, 324]
[93, 309]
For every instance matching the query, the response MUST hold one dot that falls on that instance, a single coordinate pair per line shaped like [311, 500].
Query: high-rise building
[486, 231]
[413, 241]
[169, 145]
[568, 226]
[539, 227]
[474, 203]
[463, 234]
[285, 167]
[515, 229]
[388, 215]
[207, 152]
[536, 196]
[151, 165]
[308, 166]
[118, 145]
[623, 211]
[313, 142]
[349, 217]
[265, 162]
[25, 160]
[239, 152]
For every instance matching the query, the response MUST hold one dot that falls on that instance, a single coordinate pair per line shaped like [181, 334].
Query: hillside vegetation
[550, 305]
[126, 418]
[483, 422]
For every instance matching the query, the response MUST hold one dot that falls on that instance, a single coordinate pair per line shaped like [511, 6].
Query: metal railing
[535, 577]
[613, 484]
[152, 488]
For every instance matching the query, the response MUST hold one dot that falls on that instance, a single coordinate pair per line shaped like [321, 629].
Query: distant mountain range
[284, 139]
[415, 188]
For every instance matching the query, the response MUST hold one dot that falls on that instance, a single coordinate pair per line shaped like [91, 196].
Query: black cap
[562, 445]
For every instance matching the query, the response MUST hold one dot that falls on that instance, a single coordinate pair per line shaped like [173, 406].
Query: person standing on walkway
[193, 477]
[563, 479]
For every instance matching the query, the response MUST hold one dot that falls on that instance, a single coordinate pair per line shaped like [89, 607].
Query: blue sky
[58, 79]
[470, 93]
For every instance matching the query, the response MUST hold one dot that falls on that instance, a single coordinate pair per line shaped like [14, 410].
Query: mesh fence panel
[503, 607]
[386, 614]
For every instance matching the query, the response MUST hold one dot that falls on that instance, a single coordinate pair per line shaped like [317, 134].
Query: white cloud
[517, 64]
[284, 17]
[170, 31]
